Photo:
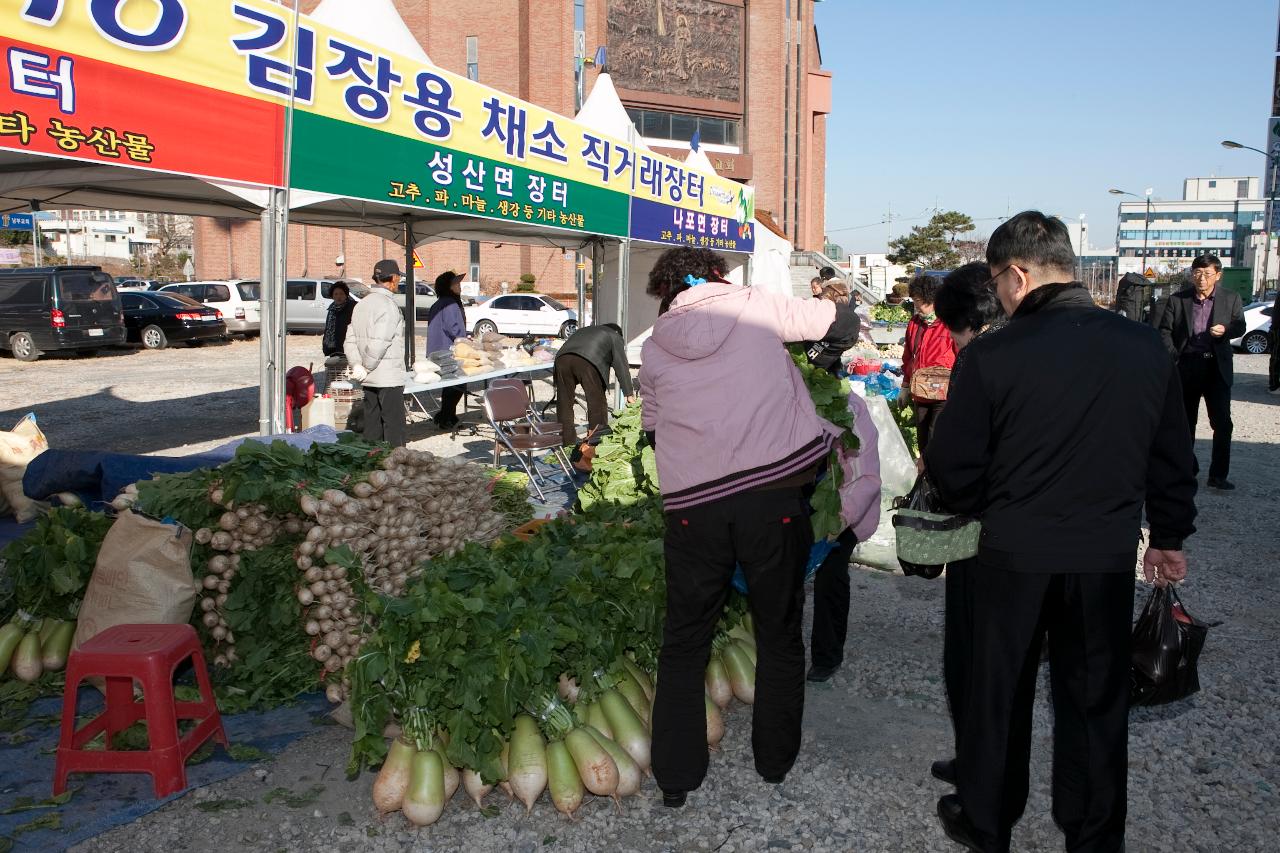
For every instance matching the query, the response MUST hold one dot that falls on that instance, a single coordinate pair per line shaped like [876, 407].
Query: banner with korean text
[200, 88]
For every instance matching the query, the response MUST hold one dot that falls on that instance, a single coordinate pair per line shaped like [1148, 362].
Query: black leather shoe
[944, 771]
[775, 780]
[674, 799]
[821, 673]
[1220, 484]
[955, 824]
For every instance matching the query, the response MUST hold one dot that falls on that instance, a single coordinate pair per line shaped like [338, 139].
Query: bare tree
[173, 235]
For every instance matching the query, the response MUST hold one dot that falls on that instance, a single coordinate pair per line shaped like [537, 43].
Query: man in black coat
[1198, 325]
[585, 360]
[1058, 431]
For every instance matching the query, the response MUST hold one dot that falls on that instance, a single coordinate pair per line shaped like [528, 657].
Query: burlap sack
[143, 575]
[18, 447]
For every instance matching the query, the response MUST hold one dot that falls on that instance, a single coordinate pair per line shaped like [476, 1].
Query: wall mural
[691, 48]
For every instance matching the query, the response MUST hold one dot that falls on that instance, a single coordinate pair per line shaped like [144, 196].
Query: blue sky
[990, 105]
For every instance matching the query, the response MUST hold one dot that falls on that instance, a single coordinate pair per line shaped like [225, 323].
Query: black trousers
[926, 417]
[1087, 617]
[957, 637]
[572, 371]
[768, 534]
[449, 398]
[384, 415]
[831, 604]
[1201, 378]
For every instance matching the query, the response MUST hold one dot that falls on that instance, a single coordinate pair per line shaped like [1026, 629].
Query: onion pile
[414, 507]
[239, 528]
[417, 506]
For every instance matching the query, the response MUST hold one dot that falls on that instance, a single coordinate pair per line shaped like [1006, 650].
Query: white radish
[475, 787]
[393, 779]
[715, 724]
[527, 773]
[424, 796]
[628, 732]
[718, 685]
[629, 773]
[562, 779]
[742, 673]
[598, 771]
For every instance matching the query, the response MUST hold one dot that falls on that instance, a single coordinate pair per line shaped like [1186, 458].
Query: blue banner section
[664, 223]
[15, 221]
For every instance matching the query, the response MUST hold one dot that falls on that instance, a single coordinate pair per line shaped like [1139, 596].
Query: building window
[1213, 185]
[473, 58]
[1242, 189]
[680, 127]
[110, 238]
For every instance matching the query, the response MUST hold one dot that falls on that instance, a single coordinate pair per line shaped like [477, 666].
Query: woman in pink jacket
[737, 439]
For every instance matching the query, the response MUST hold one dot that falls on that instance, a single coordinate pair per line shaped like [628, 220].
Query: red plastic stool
[149, 654]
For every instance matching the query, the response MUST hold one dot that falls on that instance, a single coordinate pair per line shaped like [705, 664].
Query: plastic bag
[1167, 641]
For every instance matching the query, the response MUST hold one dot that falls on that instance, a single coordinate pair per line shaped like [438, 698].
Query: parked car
[45, 309]
[1257, 328]
[157, 319]
[123, 284]
[522, 313]
[237, 300]
[307, 302]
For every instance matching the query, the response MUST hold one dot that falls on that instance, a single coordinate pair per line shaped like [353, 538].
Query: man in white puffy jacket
[375, 350]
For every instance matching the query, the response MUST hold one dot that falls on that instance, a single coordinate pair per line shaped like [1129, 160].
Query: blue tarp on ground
[102, 801]
[97, 476]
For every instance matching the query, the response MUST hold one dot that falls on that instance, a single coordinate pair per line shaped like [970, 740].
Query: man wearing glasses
[1060, 429]
[1197, 326]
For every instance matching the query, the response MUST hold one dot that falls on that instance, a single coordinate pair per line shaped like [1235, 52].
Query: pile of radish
[350, 519]
[239, 528]
[31, 647]
[565, 747]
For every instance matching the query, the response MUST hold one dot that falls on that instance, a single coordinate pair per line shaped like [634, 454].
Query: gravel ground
[1203, 772]
[187, 399]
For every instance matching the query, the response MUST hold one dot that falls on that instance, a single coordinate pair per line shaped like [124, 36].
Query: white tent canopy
[374, 21]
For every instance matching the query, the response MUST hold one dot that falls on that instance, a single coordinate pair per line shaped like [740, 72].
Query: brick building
[744, 75]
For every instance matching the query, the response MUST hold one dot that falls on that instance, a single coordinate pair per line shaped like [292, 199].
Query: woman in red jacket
[928, 344]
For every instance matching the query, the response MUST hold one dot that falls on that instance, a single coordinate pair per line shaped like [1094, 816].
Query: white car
[1256, 339]
[237, 300]
[521, 313]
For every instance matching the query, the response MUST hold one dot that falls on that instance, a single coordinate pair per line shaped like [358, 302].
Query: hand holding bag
[928, 537]
[1167, 641]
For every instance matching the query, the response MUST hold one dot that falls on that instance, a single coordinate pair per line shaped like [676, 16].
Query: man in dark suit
[1197, 326]
[1060, 428]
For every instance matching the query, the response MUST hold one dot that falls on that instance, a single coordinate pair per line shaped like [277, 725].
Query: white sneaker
[1274, 391]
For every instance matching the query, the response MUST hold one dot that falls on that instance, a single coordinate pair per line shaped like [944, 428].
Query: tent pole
[597, 265]
[410, 292]
[266, 338]
[280, 258]
[624, 290]
[580, 284]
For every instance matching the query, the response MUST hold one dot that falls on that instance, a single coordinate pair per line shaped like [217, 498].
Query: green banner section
[345, 158]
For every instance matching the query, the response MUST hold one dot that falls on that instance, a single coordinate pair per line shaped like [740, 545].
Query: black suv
[44, 309]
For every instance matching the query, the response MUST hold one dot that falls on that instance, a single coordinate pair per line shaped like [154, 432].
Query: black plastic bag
[1167, 641]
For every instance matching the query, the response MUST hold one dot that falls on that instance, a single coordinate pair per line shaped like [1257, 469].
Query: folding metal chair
[537, 424]
[506, 408]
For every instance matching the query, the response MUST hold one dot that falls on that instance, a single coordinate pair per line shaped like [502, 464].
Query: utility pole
[36, 259]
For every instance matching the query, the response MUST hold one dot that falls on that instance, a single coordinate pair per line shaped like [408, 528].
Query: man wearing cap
[375, 350]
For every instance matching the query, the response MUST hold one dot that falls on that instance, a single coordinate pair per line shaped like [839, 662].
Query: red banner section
[71, 106]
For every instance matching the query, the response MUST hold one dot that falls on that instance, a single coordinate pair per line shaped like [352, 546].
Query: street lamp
[1146, 225]
[1080, 251]
[1270, 207]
